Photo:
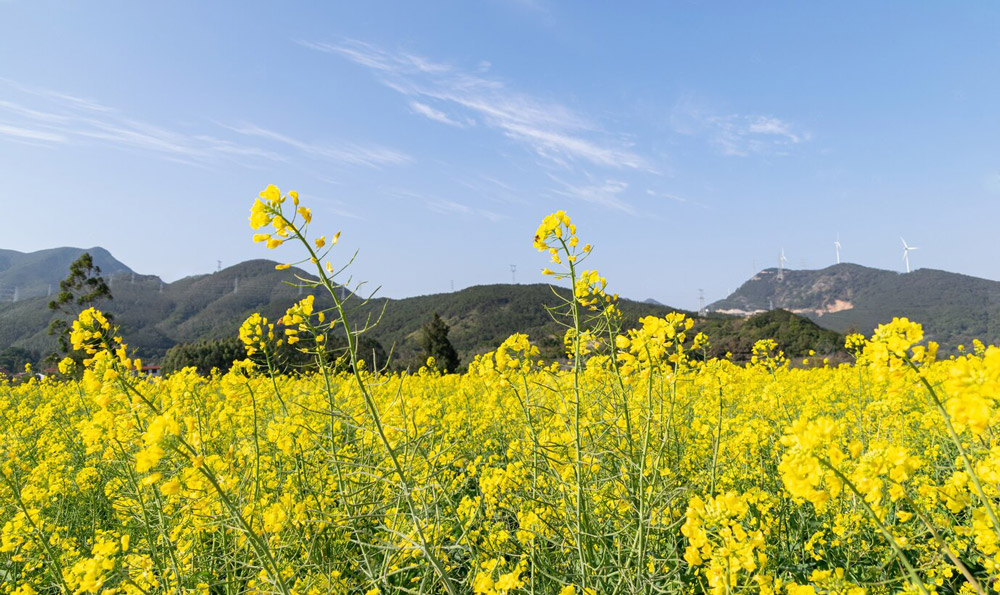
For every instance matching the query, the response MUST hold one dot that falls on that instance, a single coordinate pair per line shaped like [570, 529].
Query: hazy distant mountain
[154, 316]
[953, 308]
[31, 274]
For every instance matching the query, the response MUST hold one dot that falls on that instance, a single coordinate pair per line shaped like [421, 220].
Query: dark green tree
[204, 355]
[285, 358]
[81, 289]
[13, 359]
[434, 341]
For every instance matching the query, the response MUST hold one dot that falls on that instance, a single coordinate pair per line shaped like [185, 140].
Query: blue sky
[690, 141]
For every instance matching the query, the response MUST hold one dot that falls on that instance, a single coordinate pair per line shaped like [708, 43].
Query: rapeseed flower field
[633, 466]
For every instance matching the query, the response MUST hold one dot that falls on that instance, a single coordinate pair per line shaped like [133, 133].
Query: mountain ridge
[26, 275]
[154, 315]
[953, 308]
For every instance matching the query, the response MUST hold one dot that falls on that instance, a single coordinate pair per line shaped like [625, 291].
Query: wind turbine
[906, 253]
[781, 264]
[836, 245]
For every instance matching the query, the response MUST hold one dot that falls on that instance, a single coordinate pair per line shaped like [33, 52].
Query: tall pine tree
[435, 343]
[83, 287]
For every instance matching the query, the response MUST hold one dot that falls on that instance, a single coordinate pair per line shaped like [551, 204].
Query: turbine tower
[836, 245]
[513, 274]
[781, 265]
[906, 253]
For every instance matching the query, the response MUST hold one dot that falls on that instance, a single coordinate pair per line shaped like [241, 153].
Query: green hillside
[33, 274]
[154, 316]
[954, 309]
[796, 335]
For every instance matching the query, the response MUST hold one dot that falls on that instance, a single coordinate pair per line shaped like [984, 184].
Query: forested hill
[26, 275]
[954, 309]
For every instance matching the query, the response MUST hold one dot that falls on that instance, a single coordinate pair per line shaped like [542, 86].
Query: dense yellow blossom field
[635, 466]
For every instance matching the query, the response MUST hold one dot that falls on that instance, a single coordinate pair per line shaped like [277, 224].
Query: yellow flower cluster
[657, 341]
[268, 209]
[90, 331]
[296, 320]
[256, 334]
[726, 539]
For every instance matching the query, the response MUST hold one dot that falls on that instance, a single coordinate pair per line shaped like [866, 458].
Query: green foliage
[13, 359]
[795, 335]
[434, 341]
[83, 288]
[287, 359]
[204, 355]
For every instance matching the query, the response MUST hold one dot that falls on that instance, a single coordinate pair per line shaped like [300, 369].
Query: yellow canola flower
[148, 458]
[89, 331]
[306, 214]
[272, 195]
[260, 216]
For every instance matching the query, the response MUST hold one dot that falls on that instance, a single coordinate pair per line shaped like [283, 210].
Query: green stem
[914, 578]
[352, 348]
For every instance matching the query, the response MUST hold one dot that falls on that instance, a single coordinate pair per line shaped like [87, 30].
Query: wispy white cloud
[607, 193]
[44, 116]
[438, 116]
[443, 206]
[451, 207]
[448, 206]
[775, 127]
[372, 156]
[553, 131]
[78, 102]
[658, 196]
[666, 195]
[334, 206]
[491, 216]
[31, 135]
[736, 134]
